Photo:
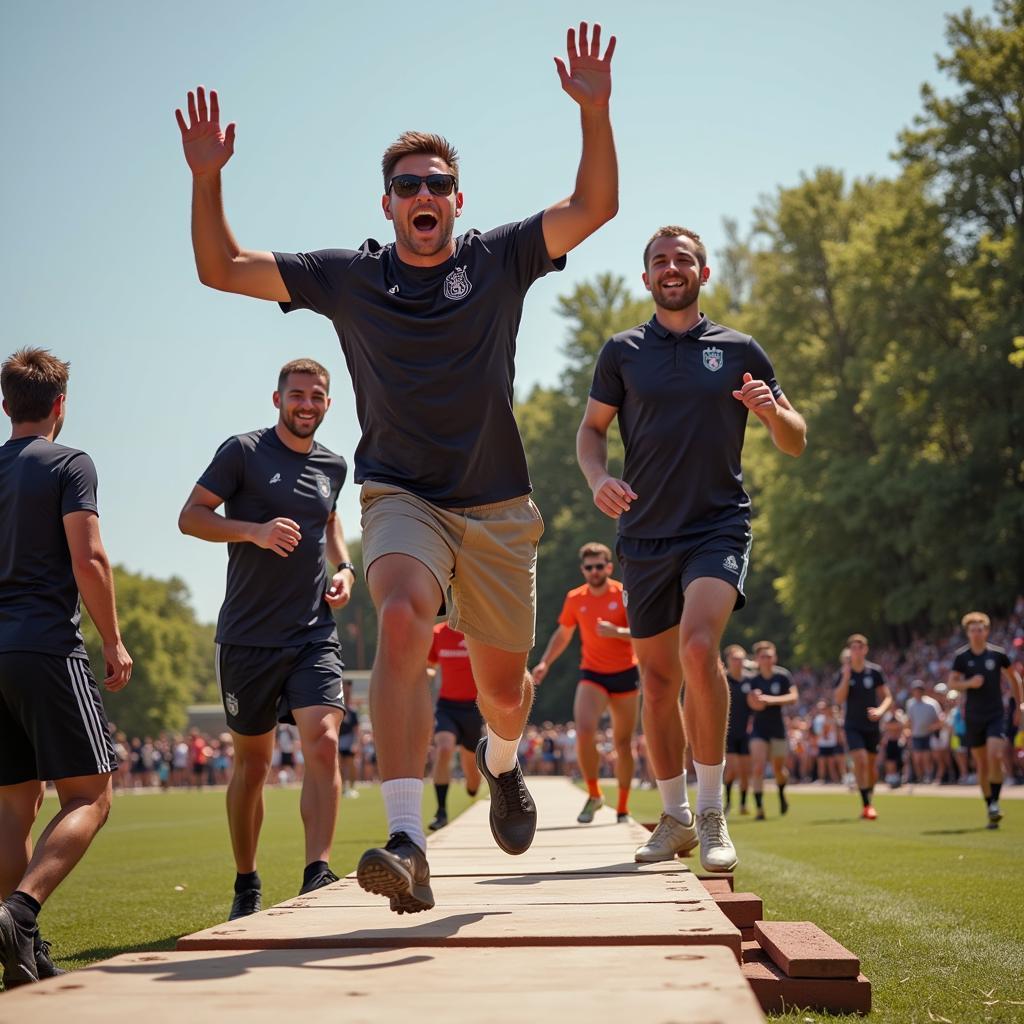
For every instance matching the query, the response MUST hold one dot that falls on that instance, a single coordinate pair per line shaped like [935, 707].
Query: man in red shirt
[609, 678]
[457, 719]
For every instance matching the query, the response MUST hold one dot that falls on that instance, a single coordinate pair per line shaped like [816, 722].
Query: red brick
[750, 949]
[748, 935]
[778, 993]
[802, 950]
[742, 908]
[717, 885]
[718, 876]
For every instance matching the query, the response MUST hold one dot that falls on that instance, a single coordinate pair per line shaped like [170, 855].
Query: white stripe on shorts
[90, 719]
[746, 564]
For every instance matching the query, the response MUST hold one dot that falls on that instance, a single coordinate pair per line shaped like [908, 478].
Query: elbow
[91, 563]
[183, 521]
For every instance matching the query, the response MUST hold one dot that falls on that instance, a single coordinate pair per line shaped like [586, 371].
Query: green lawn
[929, 900]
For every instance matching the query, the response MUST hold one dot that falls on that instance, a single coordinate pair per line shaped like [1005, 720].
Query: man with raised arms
[681, 387]
[428, 326]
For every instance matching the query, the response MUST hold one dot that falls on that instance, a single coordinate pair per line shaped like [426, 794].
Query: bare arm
[220, 261]
[789, 697]
[611, 496]
[876, 713]
[595, 200]
[339, 592]
[556, 645]
[784, 423]
[611, 631]
[1016, 684]
[199, 518]
[842, 691]
[95, 581]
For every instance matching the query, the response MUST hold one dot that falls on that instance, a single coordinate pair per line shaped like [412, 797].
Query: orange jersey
[583, 609]
[449, 651]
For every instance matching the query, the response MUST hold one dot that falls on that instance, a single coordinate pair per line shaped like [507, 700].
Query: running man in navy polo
[428, 326]
[861, 686]
[278, 656]
[737, 733]
[772, 689]
[681, 387]
[979, 669]
[52, 723]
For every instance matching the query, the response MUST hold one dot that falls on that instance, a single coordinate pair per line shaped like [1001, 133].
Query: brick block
[778, 993]
[742, 908]
[750, 949]
[717, 885]
[802, 950]
[748, 935]
[717, 876]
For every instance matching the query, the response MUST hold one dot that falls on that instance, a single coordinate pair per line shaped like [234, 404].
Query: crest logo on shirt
[731, 564]
[231, 703]
[613, 606]
[323, 485]
[457, 285]
[714, 358]
[990, 664]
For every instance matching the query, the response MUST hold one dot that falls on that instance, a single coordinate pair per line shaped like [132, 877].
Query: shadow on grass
[835, 821]
[954, 831]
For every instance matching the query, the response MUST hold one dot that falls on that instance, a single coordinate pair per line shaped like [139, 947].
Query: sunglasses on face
[594, 566]
[405, 186]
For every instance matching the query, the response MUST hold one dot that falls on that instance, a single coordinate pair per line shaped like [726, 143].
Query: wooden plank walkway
[573, 928]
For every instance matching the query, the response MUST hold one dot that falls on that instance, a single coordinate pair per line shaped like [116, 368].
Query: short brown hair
[310, 366]
[763, 645]
[409, 143]
[857, 637]
[593, 548]
[734, 649]
[675, 231]
[32, 380]
[975, 617]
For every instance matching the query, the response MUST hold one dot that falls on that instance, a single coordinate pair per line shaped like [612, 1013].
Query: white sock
[709, 786]
[500, 754]
[674, 798]
[403, 802]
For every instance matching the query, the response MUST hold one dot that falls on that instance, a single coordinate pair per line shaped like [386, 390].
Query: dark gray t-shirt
[40, 483]
[431, 354]
[682, 428]
[987, 701]
[272, 601]
[863, 694]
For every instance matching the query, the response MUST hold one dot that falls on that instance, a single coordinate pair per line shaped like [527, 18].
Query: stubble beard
[688, 298]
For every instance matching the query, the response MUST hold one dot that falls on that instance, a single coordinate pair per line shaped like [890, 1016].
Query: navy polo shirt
[863, 694]
[987, 701]
[682, 428]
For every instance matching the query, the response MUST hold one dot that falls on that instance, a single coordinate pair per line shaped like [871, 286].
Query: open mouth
[424, 221]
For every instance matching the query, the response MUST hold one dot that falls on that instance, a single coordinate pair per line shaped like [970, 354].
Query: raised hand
[279, 535]
[207, 148]
[588, 78]
[613, 497]
[756, 396]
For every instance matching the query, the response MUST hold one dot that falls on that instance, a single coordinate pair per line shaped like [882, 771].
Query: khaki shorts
[486, 555]
[776, 747]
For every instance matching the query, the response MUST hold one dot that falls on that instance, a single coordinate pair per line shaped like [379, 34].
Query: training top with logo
[431, 352]
[681, 427]
[740, 711]
[863, 694]
[987, 701]
[604, 654]
[768, 723]
[272, 601]
[448, 650]
[40, 483]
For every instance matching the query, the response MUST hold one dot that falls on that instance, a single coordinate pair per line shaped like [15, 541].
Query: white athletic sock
[709, 786]
[500, 754]
[674, 798]
[403, 802]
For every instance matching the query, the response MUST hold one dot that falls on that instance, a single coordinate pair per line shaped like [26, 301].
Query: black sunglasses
[594, 566]
[407, 185]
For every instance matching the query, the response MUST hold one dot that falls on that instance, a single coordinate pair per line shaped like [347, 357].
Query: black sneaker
[783, 803]
[622, 818]
[513, 812]
[246, 902]
[17, 951]
[45, 967]
[440, 820]
[398, 871]
[326, 877]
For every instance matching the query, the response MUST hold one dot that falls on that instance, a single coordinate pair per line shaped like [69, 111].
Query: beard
[301, 428]
[684, 298]
[437, 241]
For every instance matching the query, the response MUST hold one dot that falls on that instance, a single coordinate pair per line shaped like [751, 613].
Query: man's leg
[781, 773]
[253, 755]
[994, 757]
[589, 705]
[19, 808]
[743, 763]
[758, 763]
[470, 771]
[624, 711]
[321, 786]
[444, 746]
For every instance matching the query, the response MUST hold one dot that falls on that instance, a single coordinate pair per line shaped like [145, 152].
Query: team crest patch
[730, 562]
[625, 599]
[457, 285]
[231, 703]
[323, 485]
[990, 664]
[714, 358]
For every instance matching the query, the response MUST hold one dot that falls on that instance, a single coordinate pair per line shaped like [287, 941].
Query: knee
[506, 699]
[698, 649]
[660, 687]
[252, 769]
[402, 622]
[624, 746]
[101, 806]
[321, 754]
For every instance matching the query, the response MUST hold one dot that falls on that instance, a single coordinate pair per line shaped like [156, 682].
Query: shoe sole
[381, 876]
[15, 972]
[650, 859]
[720, 867]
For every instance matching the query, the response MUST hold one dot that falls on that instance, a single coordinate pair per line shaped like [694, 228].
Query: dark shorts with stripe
[656, 573]
[52, 722]
[981, 730]
[861, 738]
[615, 684]
[462, 719]
[262, 686]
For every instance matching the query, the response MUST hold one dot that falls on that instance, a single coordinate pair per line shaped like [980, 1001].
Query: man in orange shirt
[609, 678]
[457, 719]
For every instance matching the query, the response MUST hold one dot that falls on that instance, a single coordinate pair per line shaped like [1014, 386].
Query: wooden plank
[489, 860]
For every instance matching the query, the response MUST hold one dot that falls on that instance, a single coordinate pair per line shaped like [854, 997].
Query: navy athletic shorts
[863, 739]
[615, 684]
[462, 718]
[737, 744]
[979, 731]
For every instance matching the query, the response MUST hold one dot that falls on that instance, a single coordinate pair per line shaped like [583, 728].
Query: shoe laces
[397, 839]
[711, 826]
[666, 826]
[510, 792]
[250, 901]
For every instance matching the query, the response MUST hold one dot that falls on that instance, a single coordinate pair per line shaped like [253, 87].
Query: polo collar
[694, 332]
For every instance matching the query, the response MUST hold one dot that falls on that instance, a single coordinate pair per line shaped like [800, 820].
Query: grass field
[928, 898]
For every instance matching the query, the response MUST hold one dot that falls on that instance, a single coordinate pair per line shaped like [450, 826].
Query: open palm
[207, 148]
[588, 77]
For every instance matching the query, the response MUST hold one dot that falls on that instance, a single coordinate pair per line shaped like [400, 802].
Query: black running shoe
[246, 902]
[513, 812]
[45, 967]
[622, 818]
[398, 871]
[440, 820]
[326, 877]
[17, 951]
[783, 803]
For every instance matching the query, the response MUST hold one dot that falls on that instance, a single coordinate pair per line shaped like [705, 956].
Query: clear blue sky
[714, 105]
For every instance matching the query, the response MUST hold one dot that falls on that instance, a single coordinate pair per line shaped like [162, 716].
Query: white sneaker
[716, 850]
[668, 839]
